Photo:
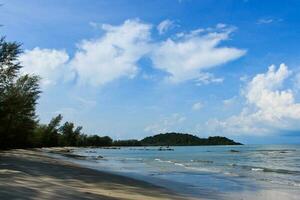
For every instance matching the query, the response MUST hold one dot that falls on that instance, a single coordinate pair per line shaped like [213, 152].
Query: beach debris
[153, 149]
[90, 151]
[110, 147]
[165, 149]
[70, 155]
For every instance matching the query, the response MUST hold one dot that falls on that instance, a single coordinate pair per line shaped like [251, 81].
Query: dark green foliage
[127, 143]
[180, 139]
[52, 135]
[70, 134]
[18, 98]
[96, 140]
[49, 134]
[9, 65]
[217, 140]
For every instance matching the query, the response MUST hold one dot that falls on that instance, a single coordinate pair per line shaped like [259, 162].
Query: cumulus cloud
[113, 55]
[186, 57]
[163, 26]
[49, 64]
[166, 124]
[117, 52]
[269, 107]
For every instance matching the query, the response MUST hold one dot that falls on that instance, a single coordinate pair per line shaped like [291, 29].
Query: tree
[18, 98]
[70, 137]
[50, 136]
[95, 140]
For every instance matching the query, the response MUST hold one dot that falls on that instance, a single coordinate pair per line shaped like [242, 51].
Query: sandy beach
[31, 174]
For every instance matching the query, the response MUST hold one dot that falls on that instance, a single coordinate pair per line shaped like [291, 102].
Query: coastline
[31, 174]
[174, 173]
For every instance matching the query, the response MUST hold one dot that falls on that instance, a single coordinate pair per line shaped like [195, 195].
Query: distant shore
[31, 174]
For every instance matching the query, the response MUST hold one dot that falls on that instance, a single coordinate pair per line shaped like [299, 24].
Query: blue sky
[130, 69]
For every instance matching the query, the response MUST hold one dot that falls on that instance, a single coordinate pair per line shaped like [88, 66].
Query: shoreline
[206, 185]
[31, 174]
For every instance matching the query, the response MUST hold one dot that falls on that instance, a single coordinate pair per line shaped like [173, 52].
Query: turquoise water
[213, 169]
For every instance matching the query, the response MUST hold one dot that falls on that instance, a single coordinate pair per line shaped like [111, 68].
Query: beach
[31, 174]
[147, 173]
[203, 172]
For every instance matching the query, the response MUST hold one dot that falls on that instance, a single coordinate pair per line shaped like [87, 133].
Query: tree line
[19, 125]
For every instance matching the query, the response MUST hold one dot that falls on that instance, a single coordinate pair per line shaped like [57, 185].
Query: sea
[206, 172]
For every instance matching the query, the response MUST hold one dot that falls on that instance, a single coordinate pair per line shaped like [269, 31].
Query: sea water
[235, 172]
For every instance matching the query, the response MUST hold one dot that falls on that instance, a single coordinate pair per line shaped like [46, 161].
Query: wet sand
[31, 174]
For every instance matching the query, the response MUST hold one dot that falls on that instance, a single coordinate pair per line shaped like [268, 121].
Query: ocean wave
[203, 169]
[164, 161]
[273, 151]
[268, 170]
[134, 159]
[189, 166]
[171, 162]
[257, 169]
[282, 171]
[179, 164]
[282, 182]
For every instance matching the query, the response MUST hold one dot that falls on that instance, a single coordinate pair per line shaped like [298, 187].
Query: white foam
[257, 169]
[164, 161]
[179, 164]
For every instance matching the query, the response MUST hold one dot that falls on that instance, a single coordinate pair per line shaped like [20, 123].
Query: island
[176, 139]
[183, 139]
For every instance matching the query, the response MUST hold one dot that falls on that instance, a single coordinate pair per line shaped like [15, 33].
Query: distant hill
[181, 139]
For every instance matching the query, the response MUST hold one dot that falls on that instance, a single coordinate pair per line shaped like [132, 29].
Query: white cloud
[265, 21]
[189, 55]
[49, 64]
[297, 82]
[244, 78]
[163, 26]
[268, 20]
[229, 102]
[95, 25]
[116, 54]
[197, 106]
[113, 55]
[171, 123]
[269, 108]
[207, 78]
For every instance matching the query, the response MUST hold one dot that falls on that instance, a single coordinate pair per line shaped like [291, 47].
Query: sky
[130, 69]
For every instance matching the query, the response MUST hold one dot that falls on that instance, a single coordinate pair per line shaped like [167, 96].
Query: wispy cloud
[229, 102]
[207, 78]
[268, 20]
[197, 106]
[170, 123]
[165, 25]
